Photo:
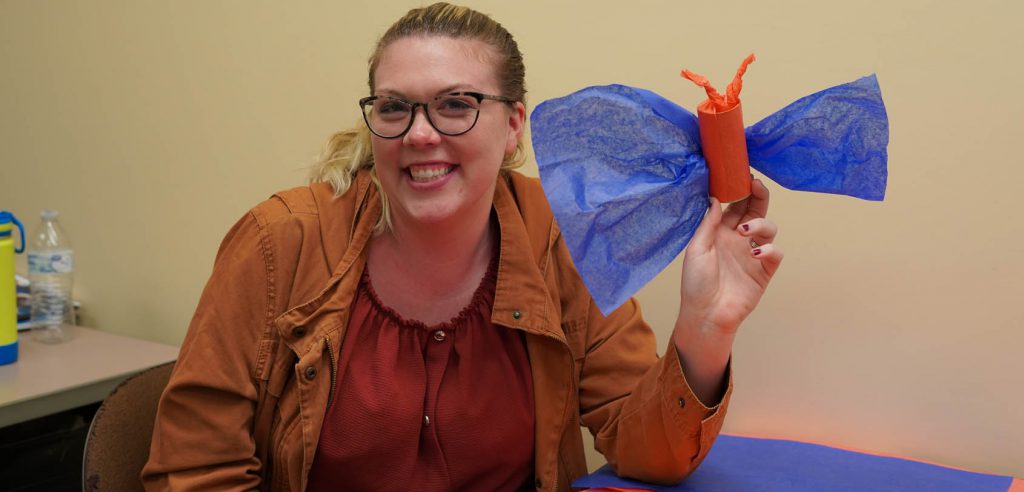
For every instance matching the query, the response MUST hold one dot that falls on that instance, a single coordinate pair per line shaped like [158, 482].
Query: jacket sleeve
[202, 438]
[646, 420]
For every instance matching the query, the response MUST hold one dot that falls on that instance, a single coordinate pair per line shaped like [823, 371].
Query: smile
[424, 173]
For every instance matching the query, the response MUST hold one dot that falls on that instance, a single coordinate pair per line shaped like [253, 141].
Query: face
[431, 178]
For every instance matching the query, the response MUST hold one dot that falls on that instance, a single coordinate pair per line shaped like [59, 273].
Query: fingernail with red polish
[746, 227]
[757, 252]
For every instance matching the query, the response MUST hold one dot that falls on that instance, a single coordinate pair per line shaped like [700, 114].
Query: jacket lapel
[523, 301]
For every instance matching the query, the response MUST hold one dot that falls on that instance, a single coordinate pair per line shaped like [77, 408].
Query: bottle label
[51, 262]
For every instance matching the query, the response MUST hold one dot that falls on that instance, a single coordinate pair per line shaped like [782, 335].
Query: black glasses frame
[480, 97]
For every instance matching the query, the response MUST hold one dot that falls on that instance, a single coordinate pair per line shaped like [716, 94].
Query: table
[48, 379]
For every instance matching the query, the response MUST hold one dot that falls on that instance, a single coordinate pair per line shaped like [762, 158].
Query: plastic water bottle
[8, 302]
[51, 273]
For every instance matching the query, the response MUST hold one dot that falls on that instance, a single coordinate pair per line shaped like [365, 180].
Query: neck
[440, 256]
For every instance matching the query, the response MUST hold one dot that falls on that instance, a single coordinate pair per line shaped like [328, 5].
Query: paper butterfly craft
[627, 178]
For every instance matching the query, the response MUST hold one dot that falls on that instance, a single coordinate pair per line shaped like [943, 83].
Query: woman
[414, 321]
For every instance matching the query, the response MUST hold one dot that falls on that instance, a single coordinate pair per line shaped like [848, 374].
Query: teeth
[423, 175]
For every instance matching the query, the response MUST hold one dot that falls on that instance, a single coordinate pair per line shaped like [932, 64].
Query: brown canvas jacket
[255, 375]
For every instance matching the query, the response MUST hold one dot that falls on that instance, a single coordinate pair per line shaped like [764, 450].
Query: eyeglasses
[450, 114]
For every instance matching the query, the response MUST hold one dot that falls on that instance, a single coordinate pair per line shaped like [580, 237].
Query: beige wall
[896, 326]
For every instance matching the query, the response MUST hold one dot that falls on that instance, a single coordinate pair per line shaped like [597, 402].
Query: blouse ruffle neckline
[481, 298]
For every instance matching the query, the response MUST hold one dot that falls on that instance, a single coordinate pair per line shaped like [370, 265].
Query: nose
[421, 132]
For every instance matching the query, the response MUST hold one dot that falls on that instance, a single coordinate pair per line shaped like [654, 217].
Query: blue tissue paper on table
[626, 180]
[737, 464]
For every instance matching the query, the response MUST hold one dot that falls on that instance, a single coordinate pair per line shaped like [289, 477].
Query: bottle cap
[6, 218]
[48, 214]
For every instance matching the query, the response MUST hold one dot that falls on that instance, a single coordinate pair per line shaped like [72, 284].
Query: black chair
[117, 445]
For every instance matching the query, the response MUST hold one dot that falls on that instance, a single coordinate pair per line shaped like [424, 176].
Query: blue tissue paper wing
[833, 141]
[627, 183]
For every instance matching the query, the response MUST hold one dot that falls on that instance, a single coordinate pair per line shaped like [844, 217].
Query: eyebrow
[447, 90]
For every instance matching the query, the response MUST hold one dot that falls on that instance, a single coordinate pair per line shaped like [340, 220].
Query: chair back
[117, 445]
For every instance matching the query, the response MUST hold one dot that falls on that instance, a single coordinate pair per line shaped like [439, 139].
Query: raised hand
[727, 268]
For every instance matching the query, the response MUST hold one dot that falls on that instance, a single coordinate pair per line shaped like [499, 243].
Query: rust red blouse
[417, 407]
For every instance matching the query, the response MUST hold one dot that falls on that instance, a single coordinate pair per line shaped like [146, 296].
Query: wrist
[704, 353]
[701, 335]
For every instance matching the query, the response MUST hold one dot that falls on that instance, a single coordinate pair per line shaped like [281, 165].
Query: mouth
[429, 171]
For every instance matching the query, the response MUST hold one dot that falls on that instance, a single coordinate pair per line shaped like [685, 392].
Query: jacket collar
[342, 218]
[521, 298]
[346, 225]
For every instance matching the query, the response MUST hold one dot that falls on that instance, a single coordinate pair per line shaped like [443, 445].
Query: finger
[761, 231]
[758, 206]
[735, 213]
[755, 205]
[704, 236]
[770, 257]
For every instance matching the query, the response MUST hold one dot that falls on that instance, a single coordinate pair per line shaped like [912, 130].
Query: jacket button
[310, 372]
[439, 335]
[682, 403]
[516, 314]
[299, 331]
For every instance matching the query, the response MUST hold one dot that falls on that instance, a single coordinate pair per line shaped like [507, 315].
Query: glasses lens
[387, 117]
[453, 114]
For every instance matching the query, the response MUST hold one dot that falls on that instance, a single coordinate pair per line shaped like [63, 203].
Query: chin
[433, 213]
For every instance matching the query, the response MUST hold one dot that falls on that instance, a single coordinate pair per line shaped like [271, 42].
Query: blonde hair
[349, 151]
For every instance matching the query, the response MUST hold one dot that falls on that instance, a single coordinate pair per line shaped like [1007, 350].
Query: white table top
[52, 378]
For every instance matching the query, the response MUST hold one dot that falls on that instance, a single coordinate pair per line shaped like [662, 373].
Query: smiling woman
[426, 68]
[413, 319]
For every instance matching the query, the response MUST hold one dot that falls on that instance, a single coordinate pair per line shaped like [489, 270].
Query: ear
[516, 123]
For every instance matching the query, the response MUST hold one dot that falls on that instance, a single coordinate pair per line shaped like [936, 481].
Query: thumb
[704, 236]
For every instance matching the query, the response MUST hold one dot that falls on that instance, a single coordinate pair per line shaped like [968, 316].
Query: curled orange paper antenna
[722, 140]
[714, 100]
[732, 92]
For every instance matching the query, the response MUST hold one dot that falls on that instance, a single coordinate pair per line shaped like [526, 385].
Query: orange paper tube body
[722, 139]
[725, 149]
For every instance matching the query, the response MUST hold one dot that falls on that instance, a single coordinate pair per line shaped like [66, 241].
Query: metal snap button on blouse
[440, 335]
[516, 314]
[310, 372]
